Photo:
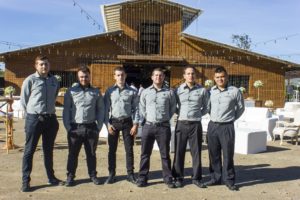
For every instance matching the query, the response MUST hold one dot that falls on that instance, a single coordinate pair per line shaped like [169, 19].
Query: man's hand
[111, 130]
[134, 129]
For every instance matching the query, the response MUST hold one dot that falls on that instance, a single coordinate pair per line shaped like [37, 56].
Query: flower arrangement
[258, 84]
[10, 90]
[62, 91]
[269, 103]
[208, 83]
[58, 77]
[242, 89]
[74, 84]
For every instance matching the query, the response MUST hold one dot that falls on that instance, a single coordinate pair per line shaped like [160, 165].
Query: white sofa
[250, 141]
[257, 118]
[289, 109]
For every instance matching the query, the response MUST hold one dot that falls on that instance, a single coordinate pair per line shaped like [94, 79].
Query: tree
[242, 41]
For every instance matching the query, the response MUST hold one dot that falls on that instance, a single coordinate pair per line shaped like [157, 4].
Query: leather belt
[222, 123]
[165, 123]
[121, 120]
[188, 122]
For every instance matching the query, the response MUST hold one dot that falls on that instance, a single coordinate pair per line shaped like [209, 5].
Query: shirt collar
[184, 85]
[126, 86]
[36, 74]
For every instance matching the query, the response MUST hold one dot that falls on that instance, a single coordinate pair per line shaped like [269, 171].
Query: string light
[12, 44]
[275, 40]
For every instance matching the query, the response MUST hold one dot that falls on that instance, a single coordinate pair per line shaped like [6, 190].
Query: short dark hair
[189, 67]
[121, 69]
[40, 57]
[83, 69]
[220, 70]
[158, 69]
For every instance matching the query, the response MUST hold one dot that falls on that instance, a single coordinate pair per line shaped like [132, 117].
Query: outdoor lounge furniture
[250, 141]
[289, 110]
[257, 118]
[288, 129]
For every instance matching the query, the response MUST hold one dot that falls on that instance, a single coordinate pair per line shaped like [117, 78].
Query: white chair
[257, 118]
[288, 129]
[289, 110]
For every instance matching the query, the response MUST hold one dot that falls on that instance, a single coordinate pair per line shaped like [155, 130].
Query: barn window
[150, 38]
[239, 81]
[67, 78]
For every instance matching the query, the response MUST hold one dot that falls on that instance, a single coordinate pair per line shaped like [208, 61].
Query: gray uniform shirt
[157, 105]
[38, 94]
[192, 103]
[121, 103]
[227, 105]
[83, 105]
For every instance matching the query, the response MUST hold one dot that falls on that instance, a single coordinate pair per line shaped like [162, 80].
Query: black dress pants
[35, 126]
[88, 135]
[125, 127]
[162, 134]
[221, 138]
[192, 132]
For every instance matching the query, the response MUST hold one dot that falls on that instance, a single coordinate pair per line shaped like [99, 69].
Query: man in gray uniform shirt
[157, 106]
[121, 103]
[226, 106]
[83, 117]
[192, 100]
[38, 96]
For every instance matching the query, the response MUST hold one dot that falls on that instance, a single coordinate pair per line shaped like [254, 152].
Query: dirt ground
[274, 174]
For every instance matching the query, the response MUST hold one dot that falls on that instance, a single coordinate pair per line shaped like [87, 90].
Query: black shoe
[55, 181]
[70, 182]
[141, 183]
[95, 180]
[232, 187]
[131, 178]
[170, 184]
[199, 184]
[110, 179]
[212, 182]
[179, 183]
[25, 187]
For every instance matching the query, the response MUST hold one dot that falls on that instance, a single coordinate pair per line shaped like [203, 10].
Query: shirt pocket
[225, 101]
[162, 99]
[195, 96]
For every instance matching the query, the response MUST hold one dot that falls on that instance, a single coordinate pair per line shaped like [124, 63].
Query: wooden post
[9, 125]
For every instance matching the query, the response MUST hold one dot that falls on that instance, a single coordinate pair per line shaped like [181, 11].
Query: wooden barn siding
[168, 16]
[102, 75]
[66, 57]
[269, 72]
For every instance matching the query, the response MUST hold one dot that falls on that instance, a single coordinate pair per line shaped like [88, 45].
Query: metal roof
[111, 13]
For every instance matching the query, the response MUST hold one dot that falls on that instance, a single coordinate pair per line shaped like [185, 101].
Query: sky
[273, 25]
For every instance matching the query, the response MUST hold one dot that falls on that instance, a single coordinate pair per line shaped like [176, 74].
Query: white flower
[74, 84]
[258, 84]
[9, 90]
[208, 83]
[269, 103]
[58, 78]
[242, 89]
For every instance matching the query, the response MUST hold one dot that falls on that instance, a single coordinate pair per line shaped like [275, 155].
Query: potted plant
[269, 104]
[58, 78]
[258, 84]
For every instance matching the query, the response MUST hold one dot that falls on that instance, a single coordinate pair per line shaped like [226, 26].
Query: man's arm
[173, 105]
[25, 93]
[67, 110]
[205, 103]
[240, 107]
[100, 111]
